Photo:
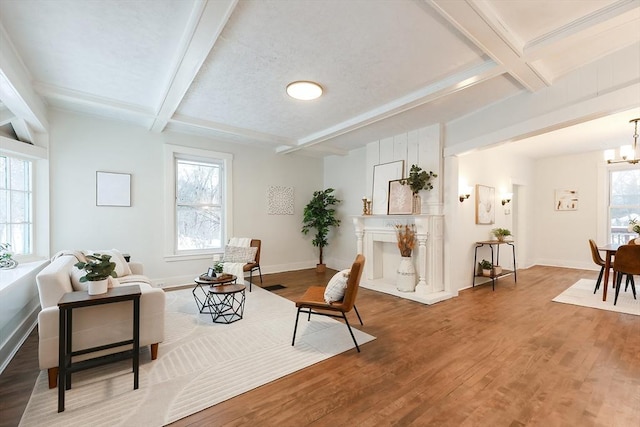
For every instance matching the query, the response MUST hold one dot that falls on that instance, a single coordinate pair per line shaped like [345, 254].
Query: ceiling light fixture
[628, 153]
[304, 90]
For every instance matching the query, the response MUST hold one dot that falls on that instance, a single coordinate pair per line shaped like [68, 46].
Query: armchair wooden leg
[53, 377]
[154, 351]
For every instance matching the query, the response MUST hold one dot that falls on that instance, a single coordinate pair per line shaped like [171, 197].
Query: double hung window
[16, 204]
[624, 202]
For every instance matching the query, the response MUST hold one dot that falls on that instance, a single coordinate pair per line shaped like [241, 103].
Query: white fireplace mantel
[373, 232]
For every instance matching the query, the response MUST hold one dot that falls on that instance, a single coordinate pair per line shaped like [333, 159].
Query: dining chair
[626, 262]
[255, 265]
[313, 300]
[595, 255]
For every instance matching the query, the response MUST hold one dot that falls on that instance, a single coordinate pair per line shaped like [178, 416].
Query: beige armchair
[98, 325]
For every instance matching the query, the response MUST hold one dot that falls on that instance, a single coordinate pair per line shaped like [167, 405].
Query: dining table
[610, 251]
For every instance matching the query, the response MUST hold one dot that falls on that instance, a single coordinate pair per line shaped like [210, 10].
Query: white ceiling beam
[445, 87]
[204, 27]
[476, 21]
[230, 130]
[22, 130]
[15, 87]
[5, 115]
[613, 15]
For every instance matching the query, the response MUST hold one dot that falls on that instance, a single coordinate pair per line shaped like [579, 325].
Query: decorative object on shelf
[628, 153]
[217, 267]
[497, 270]
[485, 204]
[400, 199]
[6, 257]
[566, 200]
[320, 215]
[486, 267]
[99, 268]
[406, 235]
[500, 233]
[366, 206]
[382, 174]
[418, 180]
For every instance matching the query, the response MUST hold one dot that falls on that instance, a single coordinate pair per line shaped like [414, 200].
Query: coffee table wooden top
[226, 289]
[217, 281]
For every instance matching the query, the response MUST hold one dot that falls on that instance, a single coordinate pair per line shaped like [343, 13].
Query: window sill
[188, 257]
[11, 276]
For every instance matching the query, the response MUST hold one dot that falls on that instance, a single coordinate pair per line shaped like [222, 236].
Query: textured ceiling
[220, 68]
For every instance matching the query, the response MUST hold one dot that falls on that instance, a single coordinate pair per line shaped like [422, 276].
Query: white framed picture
[113, 189]
[566, 200]
[382, 174]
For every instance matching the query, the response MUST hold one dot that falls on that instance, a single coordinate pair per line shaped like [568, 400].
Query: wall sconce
[465, 193]
[506, 198]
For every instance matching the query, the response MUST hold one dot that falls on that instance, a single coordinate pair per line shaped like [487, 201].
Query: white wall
[82, 145]
[562, 236]
[503, 173]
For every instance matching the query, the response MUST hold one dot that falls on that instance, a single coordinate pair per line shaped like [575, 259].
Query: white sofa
[96, 325]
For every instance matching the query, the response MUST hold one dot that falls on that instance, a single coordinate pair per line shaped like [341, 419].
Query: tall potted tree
[319, 214]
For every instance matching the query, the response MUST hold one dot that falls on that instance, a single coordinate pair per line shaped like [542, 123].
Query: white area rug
[199, 365]
[581, 293]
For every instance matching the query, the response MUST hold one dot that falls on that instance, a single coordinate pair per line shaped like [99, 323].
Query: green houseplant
[98, 269]
[500, 233]
[419, 179]
[319, 215]
[486, 267]
[6, 257]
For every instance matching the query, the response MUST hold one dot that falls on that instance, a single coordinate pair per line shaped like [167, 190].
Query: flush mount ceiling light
[304, 90]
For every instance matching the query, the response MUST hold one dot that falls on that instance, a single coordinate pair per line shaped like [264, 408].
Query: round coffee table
[201, 294]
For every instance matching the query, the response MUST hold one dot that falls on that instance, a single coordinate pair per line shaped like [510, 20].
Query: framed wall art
[485, 204]
[113, 189]
[566, 200]
[400, 198]
[382, 174]
[279, 200]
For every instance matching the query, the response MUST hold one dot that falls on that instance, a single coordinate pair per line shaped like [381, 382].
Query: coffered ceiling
[220, 67]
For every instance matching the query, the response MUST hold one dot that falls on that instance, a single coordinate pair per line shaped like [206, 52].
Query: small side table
[202, 301]
[494, 277]
[66, 366]
[226, 303]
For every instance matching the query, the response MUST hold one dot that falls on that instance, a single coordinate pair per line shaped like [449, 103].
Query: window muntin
[16, 201]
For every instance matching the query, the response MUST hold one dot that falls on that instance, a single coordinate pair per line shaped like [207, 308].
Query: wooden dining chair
[595, 255]
[626, 262]
[313, 301]
[255, 265]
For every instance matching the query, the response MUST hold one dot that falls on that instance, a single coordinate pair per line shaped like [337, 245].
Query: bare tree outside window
[198, 205]
[16, 216]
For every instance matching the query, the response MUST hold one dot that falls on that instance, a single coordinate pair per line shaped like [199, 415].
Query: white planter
[97, 287]
[407, 279]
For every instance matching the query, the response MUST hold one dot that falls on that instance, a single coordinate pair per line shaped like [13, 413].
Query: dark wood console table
[66, 366]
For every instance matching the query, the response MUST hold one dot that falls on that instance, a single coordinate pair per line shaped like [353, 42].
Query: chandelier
[628, 153]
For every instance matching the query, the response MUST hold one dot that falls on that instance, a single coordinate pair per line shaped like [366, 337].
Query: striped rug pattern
[199, 365]
[581, 293]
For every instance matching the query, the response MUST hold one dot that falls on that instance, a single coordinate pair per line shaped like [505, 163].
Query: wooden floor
[505, 358]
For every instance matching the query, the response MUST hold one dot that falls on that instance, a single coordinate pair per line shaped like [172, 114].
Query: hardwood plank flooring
[505, 358]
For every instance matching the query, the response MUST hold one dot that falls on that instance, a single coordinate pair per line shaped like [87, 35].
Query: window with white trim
[16, 204]
[624, 202]
[199, 211]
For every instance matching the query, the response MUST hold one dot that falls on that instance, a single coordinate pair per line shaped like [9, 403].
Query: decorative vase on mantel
[417, 204]
[406, 281]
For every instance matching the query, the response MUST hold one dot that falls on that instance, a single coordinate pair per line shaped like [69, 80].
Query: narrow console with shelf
[504, 272]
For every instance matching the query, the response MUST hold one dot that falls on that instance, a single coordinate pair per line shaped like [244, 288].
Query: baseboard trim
[13, 344]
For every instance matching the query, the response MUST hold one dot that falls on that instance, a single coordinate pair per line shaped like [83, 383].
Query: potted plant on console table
[99, 268]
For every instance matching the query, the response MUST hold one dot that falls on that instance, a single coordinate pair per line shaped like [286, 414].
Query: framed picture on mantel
[382, 174]
[400, 198]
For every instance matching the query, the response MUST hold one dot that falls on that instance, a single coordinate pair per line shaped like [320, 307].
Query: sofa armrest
[136, 268]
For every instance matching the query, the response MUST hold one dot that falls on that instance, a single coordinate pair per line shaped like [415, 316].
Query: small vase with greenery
[319, 215]
[98, 268]
[419, 179]
[6, 257]
[486, 267]
[500, 233]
